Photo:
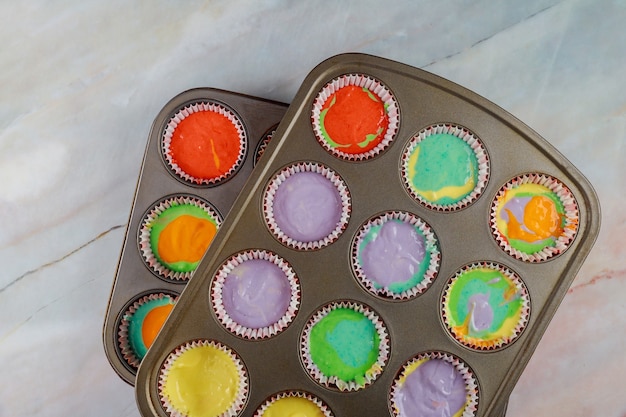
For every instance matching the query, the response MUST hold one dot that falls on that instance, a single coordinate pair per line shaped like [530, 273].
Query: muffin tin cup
[368, 86]
[147, 225]
[344, 206]
[334, 381]
[421, 234]
[157, 183]
[222, 369]
[323, 409]
[200, 109]
[376, 186]
[463, 378]
[246, 293]
[125, 343]
[479, 154]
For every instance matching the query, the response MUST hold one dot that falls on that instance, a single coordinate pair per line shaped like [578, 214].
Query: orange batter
[186, 238]
[153, 322]
[540, 217]
[206, 145]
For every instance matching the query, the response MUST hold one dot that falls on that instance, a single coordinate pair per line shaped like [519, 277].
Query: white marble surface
[81, 82]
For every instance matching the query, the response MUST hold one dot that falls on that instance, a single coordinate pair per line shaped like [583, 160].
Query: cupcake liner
[504, 340]
[149, 258]
[570, 217]
[324, 409]
[262, 145]
[124, 345]
[471, 384]
[333, 382]
[242, 392]
[270, 193]
[180, 115]
[373, 85]
[229, 323]
[431, 248]
[482, 159]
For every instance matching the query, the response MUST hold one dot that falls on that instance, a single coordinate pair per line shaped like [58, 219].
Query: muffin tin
[139, 276]
[409, 324]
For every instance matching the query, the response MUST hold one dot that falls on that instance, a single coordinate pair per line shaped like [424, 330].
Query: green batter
[345, 344]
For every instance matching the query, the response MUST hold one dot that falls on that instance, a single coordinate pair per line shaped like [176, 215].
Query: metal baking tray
[134, 278]
[326, 274]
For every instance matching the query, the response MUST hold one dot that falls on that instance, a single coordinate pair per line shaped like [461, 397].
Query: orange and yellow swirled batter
[531, 217]
[180, 236]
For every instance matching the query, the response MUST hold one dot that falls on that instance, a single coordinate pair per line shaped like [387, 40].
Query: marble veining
[83, 81]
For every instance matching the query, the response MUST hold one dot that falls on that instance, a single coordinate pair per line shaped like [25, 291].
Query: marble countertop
[81, 83]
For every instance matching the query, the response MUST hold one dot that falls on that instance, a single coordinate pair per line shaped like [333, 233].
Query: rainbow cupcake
[140, 324]
[485, 306]
[445, 167]
[345, 346]
[534, 217]
[395, 255]
[355, 117]
[175, 234]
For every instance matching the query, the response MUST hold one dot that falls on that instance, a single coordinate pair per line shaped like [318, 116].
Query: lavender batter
[256, 293]
[393, 256]
[307, 206]
[432, 389]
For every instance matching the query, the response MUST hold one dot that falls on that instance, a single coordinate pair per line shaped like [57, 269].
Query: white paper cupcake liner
[376, 87]
[243, 389]
[431, 246]
[324, 409]
[270, 193]
[471, 384]
[148, 257]
[333, 382]
[571, 217]
[262, 145]
[475, 144]
[522, 293]
[240, 330]
[184, 112]
[126, 351]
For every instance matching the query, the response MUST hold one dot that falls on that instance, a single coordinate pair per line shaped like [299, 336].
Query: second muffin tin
[490, 208]
[177, 212]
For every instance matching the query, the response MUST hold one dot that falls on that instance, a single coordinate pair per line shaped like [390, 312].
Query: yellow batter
[202, 382]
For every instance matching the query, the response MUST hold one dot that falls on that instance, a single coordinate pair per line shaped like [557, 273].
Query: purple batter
[393, 253]
[307, 207]
[481, 312]
[516, 206]
[256, 293]
[434, 389]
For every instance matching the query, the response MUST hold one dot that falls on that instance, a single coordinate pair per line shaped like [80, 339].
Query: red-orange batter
[205, 144]
[354, 119]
